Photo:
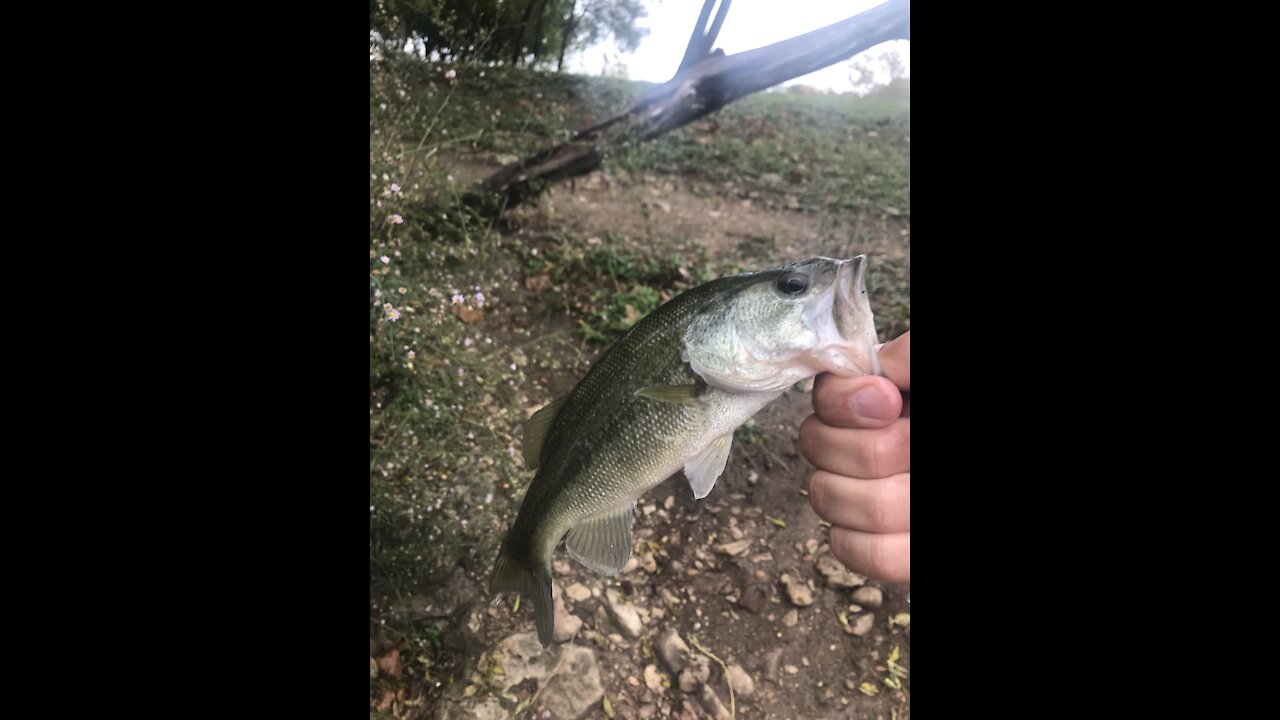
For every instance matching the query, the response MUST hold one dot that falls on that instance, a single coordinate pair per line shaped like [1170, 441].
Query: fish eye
[793, 283]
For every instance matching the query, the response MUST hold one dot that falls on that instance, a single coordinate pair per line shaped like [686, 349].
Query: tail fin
[510, 575]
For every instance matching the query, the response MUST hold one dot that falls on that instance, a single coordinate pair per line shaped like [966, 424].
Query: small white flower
[385, 260]
[395, 219]
[395, 187]
[451, 73]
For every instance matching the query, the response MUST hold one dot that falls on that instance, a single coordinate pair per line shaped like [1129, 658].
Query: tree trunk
[537, 33]
[566, 34]
[524, 22]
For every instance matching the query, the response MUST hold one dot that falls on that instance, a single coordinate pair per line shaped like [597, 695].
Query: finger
[895, 360]
[886, 558]
[862, 402]
[857, 453]
[874, 506]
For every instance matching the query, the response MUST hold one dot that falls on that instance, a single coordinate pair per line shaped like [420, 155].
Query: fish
[667, 396]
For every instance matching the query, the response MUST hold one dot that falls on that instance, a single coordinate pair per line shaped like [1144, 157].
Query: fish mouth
[854, 321]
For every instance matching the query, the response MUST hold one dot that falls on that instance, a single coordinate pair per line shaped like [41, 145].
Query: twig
[733, 704]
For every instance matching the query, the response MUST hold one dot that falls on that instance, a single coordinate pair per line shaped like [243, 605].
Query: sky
[750, 24]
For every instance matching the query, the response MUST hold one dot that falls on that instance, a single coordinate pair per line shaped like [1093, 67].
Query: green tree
[531, 32]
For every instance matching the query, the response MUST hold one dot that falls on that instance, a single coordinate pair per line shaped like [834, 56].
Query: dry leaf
[390, 663]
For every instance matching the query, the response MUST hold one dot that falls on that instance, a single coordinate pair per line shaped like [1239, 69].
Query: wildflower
[392, 313]
[404, 290]
[461, 372]
[451, 73]
[412, 354]
[395, 219]
[458, 299]
[377, 293]
[385, 260]
[467, 342]
[395, 187]
[450, 177]
[479, 299]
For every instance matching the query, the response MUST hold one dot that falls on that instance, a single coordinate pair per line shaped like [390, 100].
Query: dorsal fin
[535, 432]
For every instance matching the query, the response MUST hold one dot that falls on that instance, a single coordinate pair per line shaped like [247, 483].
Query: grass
[474, 324]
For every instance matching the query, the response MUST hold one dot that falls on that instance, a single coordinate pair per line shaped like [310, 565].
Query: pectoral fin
[703, 468]
[603, 543]
[535, 432]
[671, 393]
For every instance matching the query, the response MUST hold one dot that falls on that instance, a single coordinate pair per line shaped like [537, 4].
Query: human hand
[860, 440]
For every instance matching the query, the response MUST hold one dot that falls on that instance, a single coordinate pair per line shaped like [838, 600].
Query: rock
[577, 592]
[855, 609]
[861, 625]
[373, 668]
[753, 598]
[632, 564]
[561, 567]
[649, 563]
[837, 575]
[568, 693]
[625, 615]
[791, 618]
[712, 704]
[566, 623]
[670, 502]
[797, 591]
[653, 679]
[672, 650]
[868, 596]
[736, 547]
[474, 709]
[648, 711]
[740, 681]
[771, 663]
[695, 673]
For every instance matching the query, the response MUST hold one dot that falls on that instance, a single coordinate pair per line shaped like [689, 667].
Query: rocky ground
[736, 591]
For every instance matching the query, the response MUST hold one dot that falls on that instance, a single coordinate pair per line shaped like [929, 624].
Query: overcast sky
[749, 24]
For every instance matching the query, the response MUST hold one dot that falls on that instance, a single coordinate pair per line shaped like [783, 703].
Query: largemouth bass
[668, 396]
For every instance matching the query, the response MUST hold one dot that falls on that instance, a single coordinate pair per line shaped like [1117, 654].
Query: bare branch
[693, 52]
